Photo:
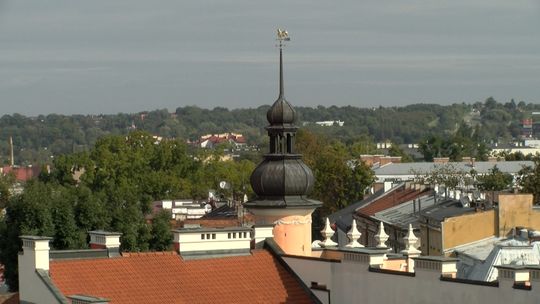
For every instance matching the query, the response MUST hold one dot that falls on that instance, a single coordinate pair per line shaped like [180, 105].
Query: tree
[431, 147]
[529, 180]
[161, 231]
[339, 181]
[6, 183]
[446, 175]
[27, 214]
[495, 180]
[395, 150]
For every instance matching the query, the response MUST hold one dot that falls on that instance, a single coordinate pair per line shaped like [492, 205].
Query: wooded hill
[36, 139]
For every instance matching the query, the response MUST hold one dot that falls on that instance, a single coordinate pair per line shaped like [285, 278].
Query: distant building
[209, 141]
[447, 226]
[526, 147]
[330, 123]
[406, 171]
[22, 174]
[182, 209]
[378, 160]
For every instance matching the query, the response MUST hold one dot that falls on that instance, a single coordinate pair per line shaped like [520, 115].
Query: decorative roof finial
[327, 233]
[410, 243]
[381, 237]
[354, 235]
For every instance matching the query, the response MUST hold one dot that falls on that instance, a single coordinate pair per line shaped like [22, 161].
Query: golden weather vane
[282, 35]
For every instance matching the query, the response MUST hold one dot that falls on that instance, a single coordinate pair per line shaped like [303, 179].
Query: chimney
[512, 275]
[100, 239]
[201, 242]
[261, 233]
[36, 250]
[12, 159]
[435, 266]
[33, 260]
[524, 233]
[388, 185]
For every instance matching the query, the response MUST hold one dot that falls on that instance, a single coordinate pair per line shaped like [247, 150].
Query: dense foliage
[529, 180]
[122, 176]
[338, 180]
[37, 139]
[495, 180]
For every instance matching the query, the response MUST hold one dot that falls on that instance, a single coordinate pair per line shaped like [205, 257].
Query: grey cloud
[76, 56]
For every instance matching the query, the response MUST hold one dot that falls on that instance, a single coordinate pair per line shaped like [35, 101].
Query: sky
[103, 56]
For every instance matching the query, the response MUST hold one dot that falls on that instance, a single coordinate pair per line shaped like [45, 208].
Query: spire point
[282, 36]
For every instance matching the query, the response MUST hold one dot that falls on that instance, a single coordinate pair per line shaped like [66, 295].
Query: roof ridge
[148, 253]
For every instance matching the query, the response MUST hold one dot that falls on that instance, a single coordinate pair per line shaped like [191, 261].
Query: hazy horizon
[128, 56]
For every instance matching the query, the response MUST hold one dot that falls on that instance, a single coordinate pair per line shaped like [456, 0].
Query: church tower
[282, 180]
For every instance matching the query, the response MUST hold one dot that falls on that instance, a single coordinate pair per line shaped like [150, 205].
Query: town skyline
[93, 58]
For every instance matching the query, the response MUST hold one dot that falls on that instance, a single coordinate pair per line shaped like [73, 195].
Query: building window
[202, 236]
[208, 236]
[213, 236]
[229, 235]
[245, 234]
[234, 235]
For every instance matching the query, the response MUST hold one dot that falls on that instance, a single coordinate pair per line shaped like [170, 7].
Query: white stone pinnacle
[410, 243]
[381, 237]
[327, 233]
[354, 235]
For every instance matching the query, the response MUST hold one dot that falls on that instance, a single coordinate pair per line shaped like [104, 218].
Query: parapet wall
[353, 280]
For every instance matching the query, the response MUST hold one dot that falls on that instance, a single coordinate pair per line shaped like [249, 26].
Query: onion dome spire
[281, 112]
[282, 179]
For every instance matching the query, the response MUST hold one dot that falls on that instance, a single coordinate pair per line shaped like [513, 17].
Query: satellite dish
[224, 185]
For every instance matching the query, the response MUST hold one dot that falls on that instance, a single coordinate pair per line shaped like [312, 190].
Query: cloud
[100, 55]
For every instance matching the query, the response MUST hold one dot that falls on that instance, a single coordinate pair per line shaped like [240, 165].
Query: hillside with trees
[39, 139]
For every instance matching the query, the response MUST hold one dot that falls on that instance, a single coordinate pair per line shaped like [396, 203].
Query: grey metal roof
[404, 214]
[445, 209]
[481, 167]
[343, 218]
[477, 260]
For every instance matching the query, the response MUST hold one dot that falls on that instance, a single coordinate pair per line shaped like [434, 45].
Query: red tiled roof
[22, 174]
[396, 197]
[164, 277]
[212, 223]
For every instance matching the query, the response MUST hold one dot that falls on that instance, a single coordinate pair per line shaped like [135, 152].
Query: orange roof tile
[166, 278]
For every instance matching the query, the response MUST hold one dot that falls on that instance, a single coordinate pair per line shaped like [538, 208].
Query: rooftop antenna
[282, 36]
